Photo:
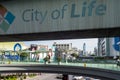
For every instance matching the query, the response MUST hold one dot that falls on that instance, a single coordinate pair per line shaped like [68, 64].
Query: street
[44, 76]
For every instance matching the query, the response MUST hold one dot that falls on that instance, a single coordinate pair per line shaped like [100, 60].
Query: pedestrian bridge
[101, 73]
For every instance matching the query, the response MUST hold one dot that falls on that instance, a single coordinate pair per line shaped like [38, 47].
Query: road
[44, 76]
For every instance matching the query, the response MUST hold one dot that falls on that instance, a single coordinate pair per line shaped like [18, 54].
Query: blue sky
[91, 43]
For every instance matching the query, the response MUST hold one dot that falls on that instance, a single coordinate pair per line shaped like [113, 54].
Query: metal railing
[110, 65]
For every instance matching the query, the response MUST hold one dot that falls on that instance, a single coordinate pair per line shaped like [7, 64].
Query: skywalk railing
[103, 65]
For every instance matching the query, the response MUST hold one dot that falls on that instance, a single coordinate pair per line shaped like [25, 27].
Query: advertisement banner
[35, 16]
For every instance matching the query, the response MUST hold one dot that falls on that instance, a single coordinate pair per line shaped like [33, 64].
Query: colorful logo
[6, 18]
[17, 47]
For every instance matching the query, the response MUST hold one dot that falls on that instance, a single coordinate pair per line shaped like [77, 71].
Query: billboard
[35, 16]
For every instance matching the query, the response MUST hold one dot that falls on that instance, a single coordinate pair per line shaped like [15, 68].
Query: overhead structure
[58, 19]
[103, 74]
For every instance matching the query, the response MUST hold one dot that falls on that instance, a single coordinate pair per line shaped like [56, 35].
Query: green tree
[46, 59]
[23, 56]
[74, 55]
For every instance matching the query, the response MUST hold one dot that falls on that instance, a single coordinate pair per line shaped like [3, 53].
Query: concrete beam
[77, 34]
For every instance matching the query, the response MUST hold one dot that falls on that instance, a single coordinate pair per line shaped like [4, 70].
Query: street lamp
[119, 48]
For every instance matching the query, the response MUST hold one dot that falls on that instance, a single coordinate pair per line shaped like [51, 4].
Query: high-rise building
[108, 46]
[95, 51]
[84, 49]
[63, 46]
[102, 46]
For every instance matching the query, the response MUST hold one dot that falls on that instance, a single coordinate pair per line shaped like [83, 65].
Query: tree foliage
[74, 55]
[24, 54]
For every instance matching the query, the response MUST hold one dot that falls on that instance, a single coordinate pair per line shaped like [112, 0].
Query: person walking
[3, 58]
[118, 62]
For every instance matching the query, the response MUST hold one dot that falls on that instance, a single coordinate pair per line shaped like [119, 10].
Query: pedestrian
[48, 58]
[118, 62]
[3, 58]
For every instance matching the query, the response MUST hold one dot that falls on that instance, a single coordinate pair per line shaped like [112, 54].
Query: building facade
[84, 49]
[9, 46]
[108, 46]
[63, 46]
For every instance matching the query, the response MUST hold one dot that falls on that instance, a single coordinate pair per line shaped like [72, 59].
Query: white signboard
[32, 16]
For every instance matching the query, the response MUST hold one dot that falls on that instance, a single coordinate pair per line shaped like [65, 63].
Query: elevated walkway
[103, 74]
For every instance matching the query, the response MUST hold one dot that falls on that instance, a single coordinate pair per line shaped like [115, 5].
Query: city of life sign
[23, 16]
